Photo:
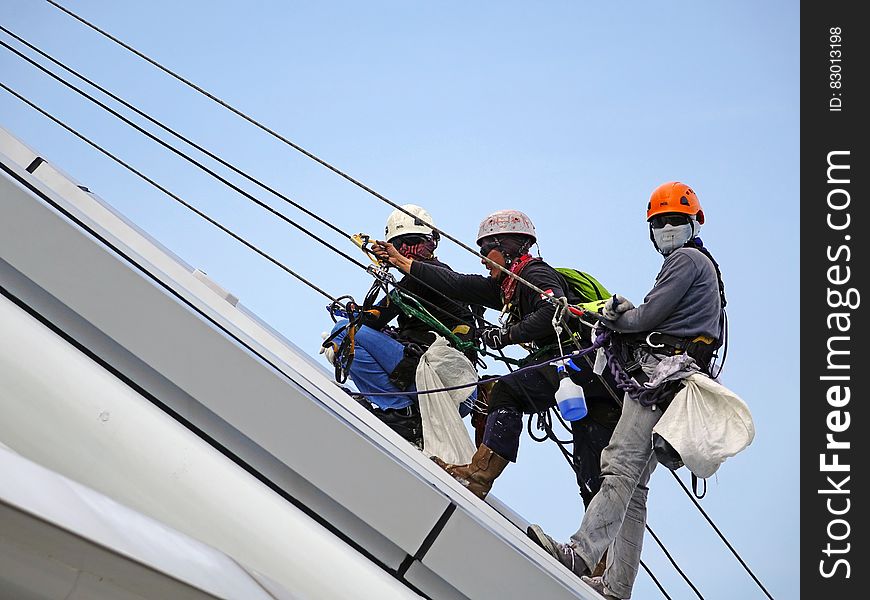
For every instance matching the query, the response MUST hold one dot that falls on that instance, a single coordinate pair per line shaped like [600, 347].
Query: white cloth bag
[444, 433]
[706, 423]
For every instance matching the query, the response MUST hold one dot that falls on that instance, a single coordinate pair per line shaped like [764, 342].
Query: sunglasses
[488, 247]
[660, 221]
[408, 240]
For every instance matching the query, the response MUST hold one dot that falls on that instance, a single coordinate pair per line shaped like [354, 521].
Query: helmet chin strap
[509, 257]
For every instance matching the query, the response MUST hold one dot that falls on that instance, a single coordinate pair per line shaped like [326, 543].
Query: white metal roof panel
[76, 531]
[233, 378]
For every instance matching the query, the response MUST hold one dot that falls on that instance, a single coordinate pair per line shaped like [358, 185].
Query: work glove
[329, 350]
[615, 306]
[495, 337]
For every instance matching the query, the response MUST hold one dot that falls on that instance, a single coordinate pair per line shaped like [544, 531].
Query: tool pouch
[405, 373]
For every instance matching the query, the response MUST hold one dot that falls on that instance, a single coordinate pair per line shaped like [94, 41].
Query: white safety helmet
[400, 223]
[506, 221]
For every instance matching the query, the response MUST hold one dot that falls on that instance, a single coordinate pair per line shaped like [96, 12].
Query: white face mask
[671, 237]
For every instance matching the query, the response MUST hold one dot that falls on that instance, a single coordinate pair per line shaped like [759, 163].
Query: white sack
[706, 423]
[444, 433]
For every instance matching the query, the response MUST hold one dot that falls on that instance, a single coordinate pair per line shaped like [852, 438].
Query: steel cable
[673, 562]
[181, 154]
[288, 142]
[721, 535]
[170, 194]
[431, 305]
[299, 149]
[171, 131]
[188, 205]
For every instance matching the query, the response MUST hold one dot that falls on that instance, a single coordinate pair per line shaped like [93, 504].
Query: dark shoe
[479, 474]
[564, 553]
[597, 584]
[404, 421]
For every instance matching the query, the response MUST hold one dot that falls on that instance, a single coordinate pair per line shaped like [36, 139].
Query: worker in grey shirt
[682, 314]
[679, 303]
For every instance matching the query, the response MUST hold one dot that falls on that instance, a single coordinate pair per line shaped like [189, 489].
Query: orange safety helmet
[674, 197]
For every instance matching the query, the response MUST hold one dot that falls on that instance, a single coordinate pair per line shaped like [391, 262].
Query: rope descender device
[364, 242]
[379, 269]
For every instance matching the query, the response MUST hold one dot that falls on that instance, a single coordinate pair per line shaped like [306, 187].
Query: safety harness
[627, 369]
[356, 316]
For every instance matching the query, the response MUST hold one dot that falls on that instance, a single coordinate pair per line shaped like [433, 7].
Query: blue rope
[598, 342]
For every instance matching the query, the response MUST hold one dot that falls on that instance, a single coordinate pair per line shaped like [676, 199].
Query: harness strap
[412, 308]
[655, 339]
[695, 487]
[701, 348]
[630, 376]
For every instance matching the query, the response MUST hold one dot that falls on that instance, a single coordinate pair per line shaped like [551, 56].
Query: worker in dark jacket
[505, 238]
[681, 315]
[385, 358]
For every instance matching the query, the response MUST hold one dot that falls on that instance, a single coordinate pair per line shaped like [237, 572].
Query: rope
[560, 443]
[235, 188]
[544, 422]
[170, 194]
[474, 383]
[210, 155]
[169, 130]
[645, 396]
[655, 581]
[288, 142]
[346, 351]
[192, 161]
[280, 138]
[673, 562]
[721, 535]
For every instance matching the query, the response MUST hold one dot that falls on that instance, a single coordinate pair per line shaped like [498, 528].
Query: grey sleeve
[672, 283]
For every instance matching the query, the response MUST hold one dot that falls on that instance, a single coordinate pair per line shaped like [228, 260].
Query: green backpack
[585, 285]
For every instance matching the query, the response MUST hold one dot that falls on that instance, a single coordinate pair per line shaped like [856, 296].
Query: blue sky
[572, 112]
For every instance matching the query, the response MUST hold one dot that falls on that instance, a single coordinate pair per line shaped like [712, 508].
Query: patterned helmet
[506, 221]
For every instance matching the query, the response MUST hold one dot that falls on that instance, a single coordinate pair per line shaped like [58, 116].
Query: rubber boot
[479, 474]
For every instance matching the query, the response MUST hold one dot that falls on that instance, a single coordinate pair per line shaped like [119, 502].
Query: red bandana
[423, 250]
[509, 284]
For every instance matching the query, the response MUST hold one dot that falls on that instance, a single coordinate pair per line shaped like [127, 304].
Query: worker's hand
[382, 250]
[386, 252]
[615, 306]
[329, 350]
[495, 337]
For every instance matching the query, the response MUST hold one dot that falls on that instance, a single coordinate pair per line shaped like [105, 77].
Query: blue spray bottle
[570, 397]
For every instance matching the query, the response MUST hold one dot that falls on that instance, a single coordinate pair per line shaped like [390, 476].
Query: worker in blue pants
[376, 355]
[385, 358]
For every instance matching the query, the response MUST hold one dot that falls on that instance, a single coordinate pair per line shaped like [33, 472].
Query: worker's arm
[474, 289]
[675, 278]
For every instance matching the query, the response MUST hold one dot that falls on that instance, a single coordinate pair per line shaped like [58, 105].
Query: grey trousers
[616, 517]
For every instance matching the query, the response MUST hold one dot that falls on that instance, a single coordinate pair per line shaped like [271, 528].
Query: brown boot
[598, 571]
[479, 474]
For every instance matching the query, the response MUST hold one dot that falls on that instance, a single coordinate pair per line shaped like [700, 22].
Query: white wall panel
[62, 410]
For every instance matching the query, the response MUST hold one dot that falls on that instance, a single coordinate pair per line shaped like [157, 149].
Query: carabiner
[649, 341]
